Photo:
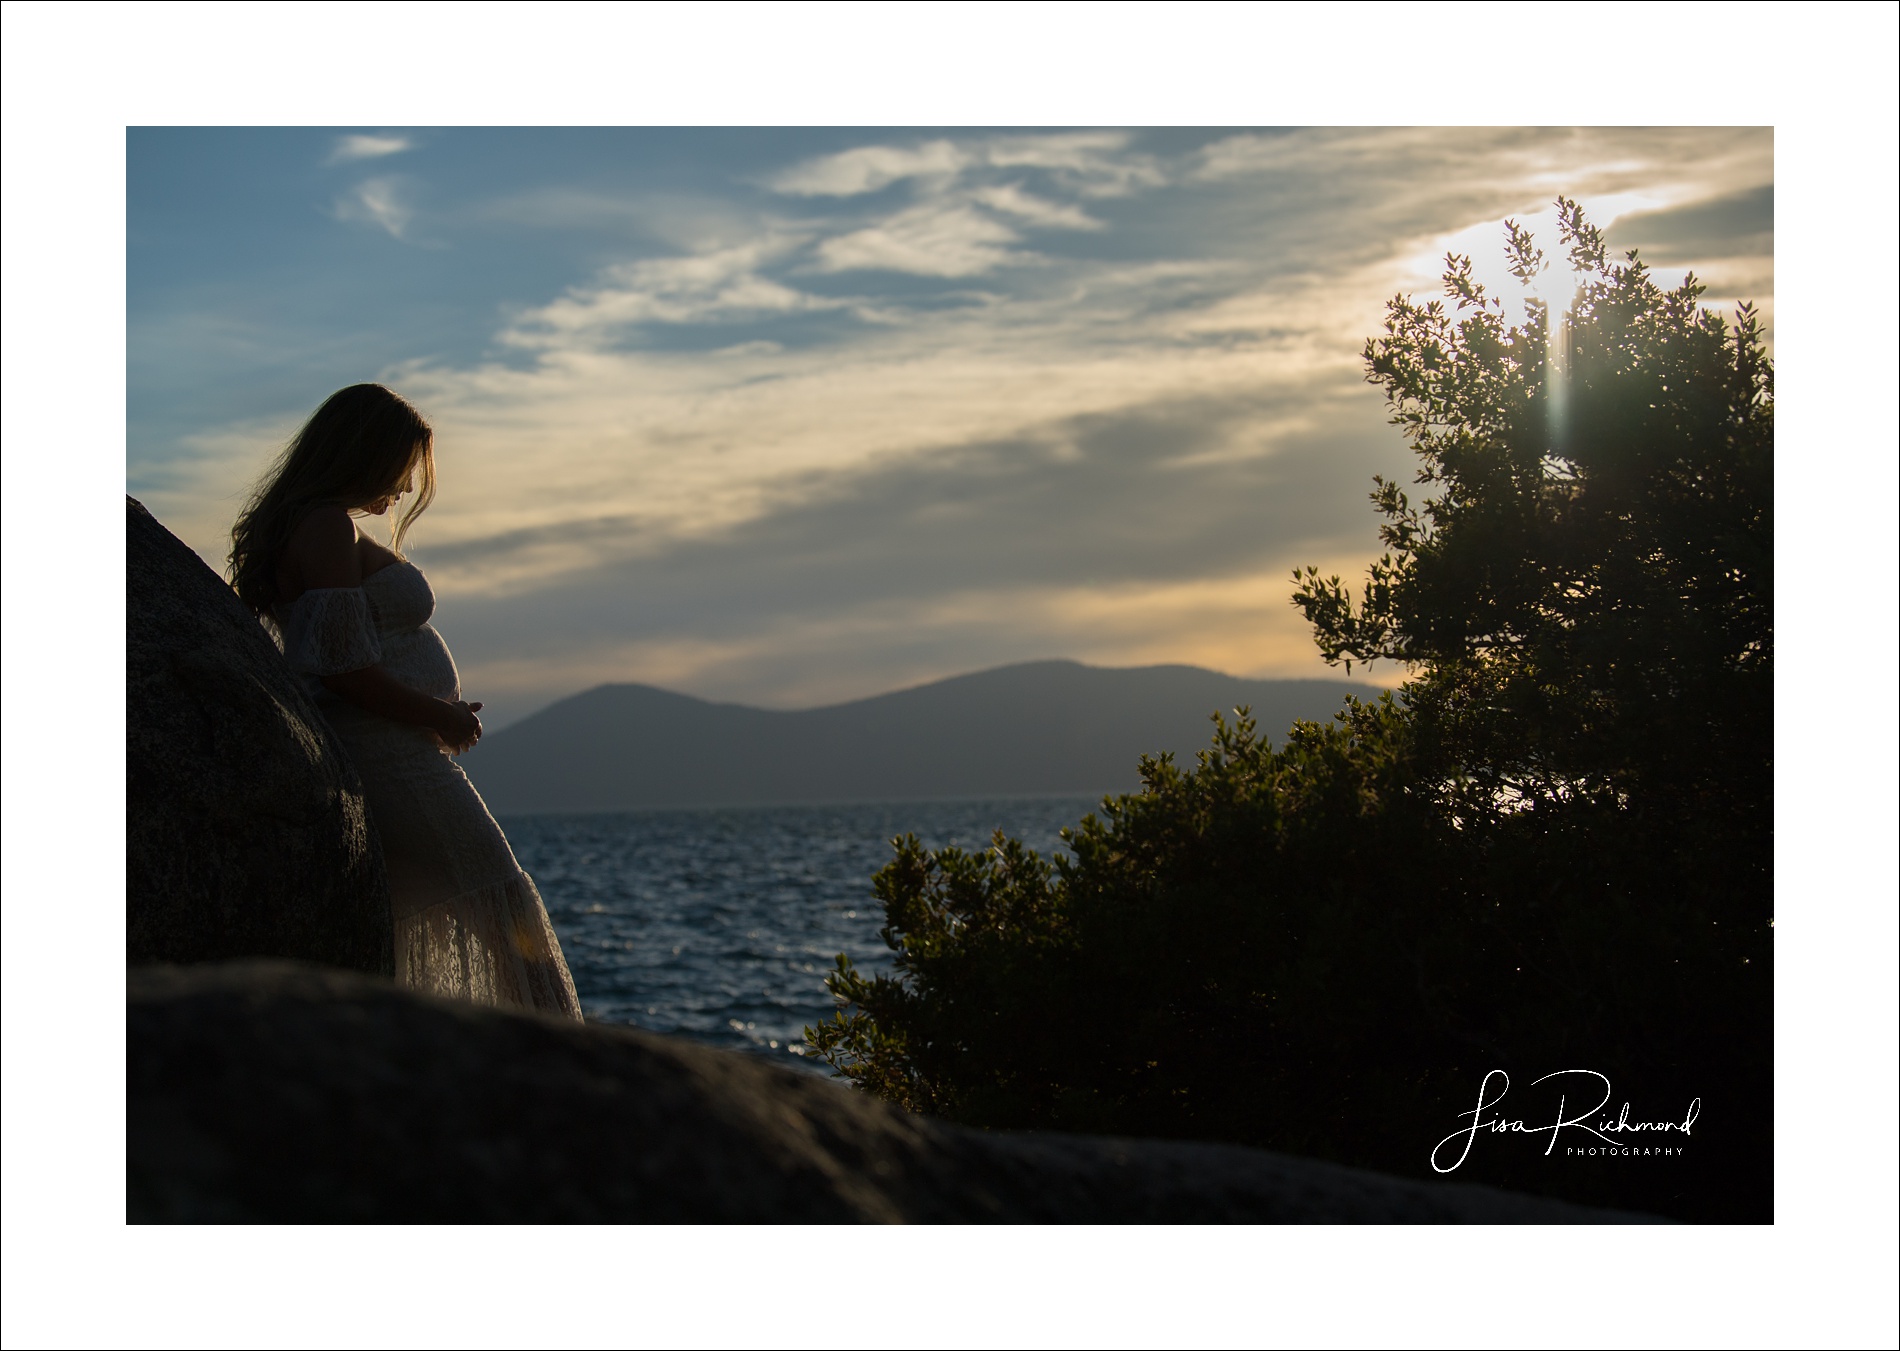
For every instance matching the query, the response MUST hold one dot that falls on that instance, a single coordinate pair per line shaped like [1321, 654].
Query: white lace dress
[469, 922]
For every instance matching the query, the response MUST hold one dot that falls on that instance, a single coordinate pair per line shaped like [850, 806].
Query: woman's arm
[374, 689]
[322, 552]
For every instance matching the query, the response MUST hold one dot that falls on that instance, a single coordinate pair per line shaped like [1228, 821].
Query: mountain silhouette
[1044, 727]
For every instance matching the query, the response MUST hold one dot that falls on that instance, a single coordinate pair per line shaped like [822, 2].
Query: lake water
[720, 924]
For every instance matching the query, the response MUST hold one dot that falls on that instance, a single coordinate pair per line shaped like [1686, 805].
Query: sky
[788, 416]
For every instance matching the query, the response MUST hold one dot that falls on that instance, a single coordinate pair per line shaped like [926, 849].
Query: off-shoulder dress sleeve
[330, 630]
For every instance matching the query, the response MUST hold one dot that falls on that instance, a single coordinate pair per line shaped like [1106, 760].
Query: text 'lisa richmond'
[1612, 1133]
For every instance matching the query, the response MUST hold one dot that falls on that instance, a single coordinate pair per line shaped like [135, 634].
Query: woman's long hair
[362, 445]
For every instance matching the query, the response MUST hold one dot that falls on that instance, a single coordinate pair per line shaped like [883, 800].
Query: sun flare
[1557, 284]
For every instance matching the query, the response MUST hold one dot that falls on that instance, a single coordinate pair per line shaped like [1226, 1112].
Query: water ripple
[720, 924]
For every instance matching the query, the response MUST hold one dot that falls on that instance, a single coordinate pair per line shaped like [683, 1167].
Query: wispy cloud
[869, 168]
[676, 445]
[1415, 164]
[719, 285]
[380, 202]
[1095, 163]
[1033, 210]
[935, 239]
[1734, 223]
[351, 148]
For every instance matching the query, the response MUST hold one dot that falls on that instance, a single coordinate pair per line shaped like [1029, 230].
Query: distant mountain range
[1043, 727]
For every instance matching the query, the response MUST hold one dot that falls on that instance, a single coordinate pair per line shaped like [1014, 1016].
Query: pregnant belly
[420, 659]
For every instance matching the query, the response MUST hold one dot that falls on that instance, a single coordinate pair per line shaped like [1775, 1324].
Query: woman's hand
[458, 726]
[377, 691]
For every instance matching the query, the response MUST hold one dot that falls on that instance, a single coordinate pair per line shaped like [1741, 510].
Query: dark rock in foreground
[246, 833]
[270, 1092]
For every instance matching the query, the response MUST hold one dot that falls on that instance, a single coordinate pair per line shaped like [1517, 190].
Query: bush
[1552, 850]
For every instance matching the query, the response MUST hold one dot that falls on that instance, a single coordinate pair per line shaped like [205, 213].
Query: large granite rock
[246, 833]
[267, 1092]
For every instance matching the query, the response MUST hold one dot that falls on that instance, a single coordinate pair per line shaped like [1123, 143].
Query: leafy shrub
[1552, 849]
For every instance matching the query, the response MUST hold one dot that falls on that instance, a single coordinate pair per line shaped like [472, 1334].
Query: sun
[1556, 286]
[1483, 243]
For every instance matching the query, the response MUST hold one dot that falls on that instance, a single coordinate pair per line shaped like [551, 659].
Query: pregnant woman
[353, 617]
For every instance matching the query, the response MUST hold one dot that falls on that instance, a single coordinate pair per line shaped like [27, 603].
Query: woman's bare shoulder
[373, 556]
[322, 549]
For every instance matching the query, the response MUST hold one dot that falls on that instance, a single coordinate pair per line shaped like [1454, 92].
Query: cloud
[1095, 163]
[1116, 492]
[1405, 161]
[1382, 185]
[1036, 211]
[956, 225]
[379, 202]
[1719, 227]
[675, 446]
[719, 285]
[931, 240]
[868, 168]
[351, 148]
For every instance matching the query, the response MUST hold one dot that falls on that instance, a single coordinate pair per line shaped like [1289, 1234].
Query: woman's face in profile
[388, 500]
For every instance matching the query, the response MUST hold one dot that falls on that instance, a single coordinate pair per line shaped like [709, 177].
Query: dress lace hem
[492, 945]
